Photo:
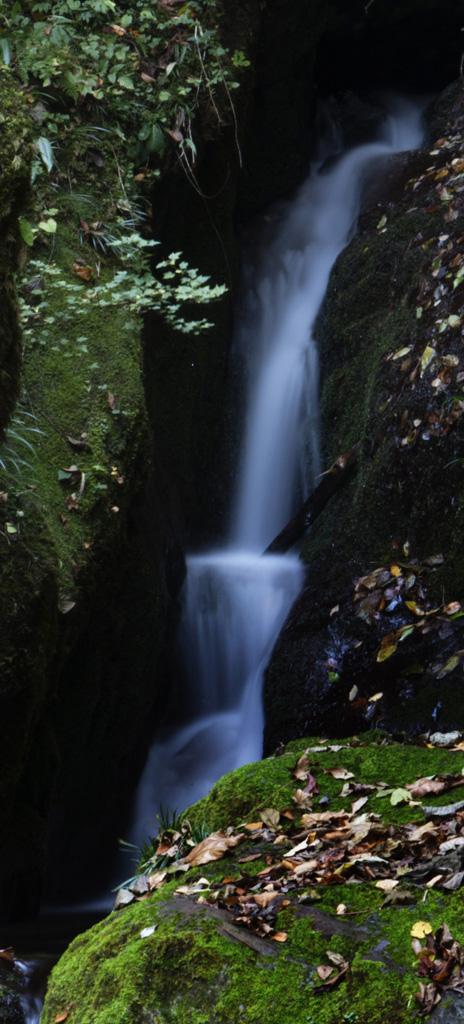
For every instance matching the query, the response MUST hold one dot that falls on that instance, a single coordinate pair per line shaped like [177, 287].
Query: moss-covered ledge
[15, 147]
[184, 957]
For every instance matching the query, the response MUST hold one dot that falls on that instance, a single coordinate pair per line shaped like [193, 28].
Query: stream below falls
[235, 599]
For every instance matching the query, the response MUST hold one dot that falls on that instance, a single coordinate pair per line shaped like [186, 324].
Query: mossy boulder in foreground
[253, 937]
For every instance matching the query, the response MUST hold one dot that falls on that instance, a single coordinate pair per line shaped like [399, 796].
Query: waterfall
[236, 600]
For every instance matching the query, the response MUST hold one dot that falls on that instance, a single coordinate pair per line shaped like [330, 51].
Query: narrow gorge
[236, 240]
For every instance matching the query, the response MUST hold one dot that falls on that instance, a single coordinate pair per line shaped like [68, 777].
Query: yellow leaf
[450, 665]
[420, 929]
[428, 354]
[401, 352]
[386, 651]
[395, 570]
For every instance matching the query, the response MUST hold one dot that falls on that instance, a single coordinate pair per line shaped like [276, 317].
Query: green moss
[241, 794]
[14, 193]
[195, 966]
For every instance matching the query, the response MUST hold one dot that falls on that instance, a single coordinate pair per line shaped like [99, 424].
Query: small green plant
[173, 841]
[18, 443]
[133, 286]
[17, 476]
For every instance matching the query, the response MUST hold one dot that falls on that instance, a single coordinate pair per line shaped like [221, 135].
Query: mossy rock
[377, 326]
[14, 193]
[171, 959]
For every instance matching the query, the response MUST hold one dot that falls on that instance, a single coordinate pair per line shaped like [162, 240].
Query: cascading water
[236, 600]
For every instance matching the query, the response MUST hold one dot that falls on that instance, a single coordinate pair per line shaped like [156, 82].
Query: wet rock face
[412, 45]
[391, 351]
[11, 1010]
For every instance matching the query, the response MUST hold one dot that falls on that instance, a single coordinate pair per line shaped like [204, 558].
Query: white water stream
[235, 600]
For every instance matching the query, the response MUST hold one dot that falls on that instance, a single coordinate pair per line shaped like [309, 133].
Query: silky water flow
[236, 600]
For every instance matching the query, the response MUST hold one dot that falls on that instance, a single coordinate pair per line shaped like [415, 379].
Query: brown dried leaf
[214, 847]
[424, 786]
[270, 817]
[302, 766]
[358, 804]
[324, 971]
[263, 899]
[7, 954]
[85, 273]
[339, 773]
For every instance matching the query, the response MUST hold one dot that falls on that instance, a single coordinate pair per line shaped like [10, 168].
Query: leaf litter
[305, 849]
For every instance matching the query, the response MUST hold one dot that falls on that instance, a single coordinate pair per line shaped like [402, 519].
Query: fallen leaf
[424, 786]
[418, 833]
[399, 796]
[213, 847]
[387, 884]
[64, 1015]
[301, 768]
[433, 881]
[270, 817]
[302, 799]
[111, 400]
[358, 804]
[279, 937]
[387, 648]
[85, 273]
[420, 929]
[448, 666]
[428, 354]
[263, 899]
[339, 773]
[324, 971]
[8, 954]
[65, 603]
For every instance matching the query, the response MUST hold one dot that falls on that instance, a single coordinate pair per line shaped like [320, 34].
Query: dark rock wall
[386, 311]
